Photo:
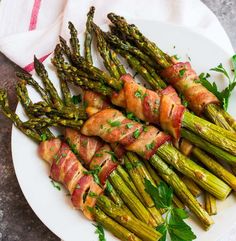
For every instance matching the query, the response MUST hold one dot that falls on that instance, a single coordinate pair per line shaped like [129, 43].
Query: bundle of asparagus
[129, 198]
[150, 106]
[178, 74]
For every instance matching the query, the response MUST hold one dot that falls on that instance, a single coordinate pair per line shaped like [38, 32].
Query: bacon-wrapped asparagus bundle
[85, 192]
[204, 129]
[183, 192]
[149, 74]
[161, 108]
[179, 74]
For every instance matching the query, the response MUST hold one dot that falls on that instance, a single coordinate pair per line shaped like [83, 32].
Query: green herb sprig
[225, 94]
[174, 220]
[100, 232]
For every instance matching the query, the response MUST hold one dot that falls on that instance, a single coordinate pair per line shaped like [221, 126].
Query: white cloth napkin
[29, 27]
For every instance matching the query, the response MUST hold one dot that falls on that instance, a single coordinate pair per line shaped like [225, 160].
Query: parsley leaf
[94, 172]
[136, 133]
[176, 57]
[76, 99]
[100, 232]
[113, 123]
[183, 100]
[174, 220]
[129, 125]
[163, 230]
[139, 94]
[225, 94]
[43, 137]
[150, 146]
[109, 187]
[113, 155]
[181, 72]
[56, 185]
[131, 116]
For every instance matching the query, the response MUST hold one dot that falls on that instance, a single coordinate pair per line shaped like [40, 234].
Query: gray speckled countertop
[17, 221]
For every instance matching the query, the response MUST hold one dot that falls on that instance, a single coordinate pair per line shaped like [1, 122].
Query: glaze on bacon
[100, 154]
[163, 108]
[66, 169]
[95, 102]
[184, 79]
[132, 135]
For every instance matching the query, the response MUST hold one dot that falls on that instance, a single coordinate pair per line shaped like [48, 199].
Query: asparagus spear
[110, 60]
[65, 47]
[186, 166]
[157, 180]
[139, 228]
[125, 176]
[4, 104]
[28, 78]
[215, 167]
[125, 46]
[74, 41]
[131, 200]
[142, 42]
[138, 174]
[115, 228]
[39, 123]
[88, 36]
[41, 71]
[208, 147]
[192, 186]
[133, 166]
[210, 204]
[181, 190]
[132, 33]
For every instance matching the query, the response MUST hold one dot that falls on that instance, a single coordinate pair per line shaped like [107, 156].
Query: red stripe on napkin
[34, 15]
[30, 66]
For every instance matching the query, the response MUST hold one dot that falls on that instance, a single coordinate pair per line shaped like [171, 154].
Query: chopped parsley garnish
[150, 146]
[113, 155]
[98, 155]
[136, 133]
[128, 166]
[176, 57]
[114, 123]
[181, 72]
[145, 128]
[174, 224]
[76, 99]
[109, 187]
[72, 146]
[183, 100]
[92, 194]
[94, 172]
[131, 116]
[84, 143]
[224, 95]
[100, 232]
[43, 137]
[129, 125]
[56, 185]
[139, 94]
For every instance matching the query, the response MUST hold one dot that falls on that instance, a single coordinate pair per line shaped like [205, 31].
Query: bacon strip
[66, 169]
[151, 106]
[145, 141]
[100, 155]
[185, 80]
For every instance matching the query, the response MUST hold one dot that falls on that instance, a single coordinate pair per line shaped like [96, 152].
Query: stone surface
[225, 10]
[17, 221]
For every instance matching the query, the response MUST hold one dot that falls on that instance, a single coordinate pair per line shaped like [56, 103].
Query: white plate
[53, 207]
